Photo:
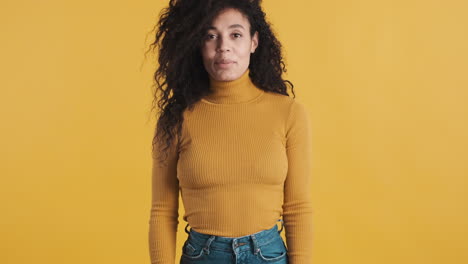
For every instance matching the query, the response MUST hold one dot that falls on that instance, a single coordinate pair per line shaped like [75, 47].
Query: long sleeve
[164, 209]
[297, 205]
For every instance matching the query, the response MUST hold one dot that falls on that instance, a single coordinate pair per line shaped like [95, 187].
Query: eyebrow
[231, 26]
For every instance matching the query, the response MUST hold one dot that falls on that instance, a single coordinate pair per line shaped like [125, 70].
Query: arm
[164, 208]
[297, 206]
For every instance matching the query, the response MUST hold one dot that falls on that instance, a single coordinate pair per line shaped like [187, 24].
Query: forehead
[230, 18]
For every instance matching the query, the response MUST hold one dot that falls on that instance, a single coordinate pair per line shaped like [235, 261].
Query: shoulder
[298, 116]
[298, 109]
[292, 106]
[279, 101]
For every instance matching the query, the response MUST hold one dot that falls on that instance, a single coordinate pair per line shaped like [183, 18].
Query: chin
[226, 76]
[226, 79]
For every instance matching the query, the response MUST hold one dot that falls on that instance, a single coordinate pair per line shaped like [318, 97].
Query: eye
[237, 34]
[210, 36]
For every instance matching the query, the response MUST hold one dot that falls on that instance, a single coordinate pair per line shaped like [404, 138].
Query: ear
[254, 42]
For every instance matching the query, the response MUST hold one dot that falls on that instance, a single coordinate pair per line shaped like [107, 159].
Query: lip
[224, 64]
[223, 61]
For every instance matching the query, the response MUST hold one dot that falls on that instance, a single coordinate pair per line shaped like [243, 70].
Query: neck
[240, 90]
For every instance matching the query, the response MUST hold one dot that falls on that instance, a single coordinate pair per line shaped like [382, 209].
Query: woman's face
[227, 46]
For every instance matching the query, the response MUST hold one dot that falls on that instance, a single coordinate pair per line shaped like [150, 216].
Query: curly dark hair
[181, 70]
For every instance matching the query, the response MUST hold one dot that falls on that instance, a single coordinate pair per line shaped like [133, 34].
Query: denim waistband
[259, 238]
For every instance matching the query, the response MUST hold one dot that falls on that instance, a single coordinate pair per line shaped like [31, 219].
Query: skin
[230, 43]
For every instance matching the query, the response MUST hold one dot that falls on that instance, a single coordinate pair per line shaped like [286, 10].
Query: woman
[233, 142]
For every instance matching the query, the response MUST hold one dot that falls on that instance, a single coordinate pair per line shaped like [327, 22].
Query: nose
[223, 45]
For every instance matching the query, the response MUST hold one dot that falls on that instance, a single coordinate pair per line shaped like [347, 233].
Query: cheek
[246, 50]
[207, 53]
[245, 54]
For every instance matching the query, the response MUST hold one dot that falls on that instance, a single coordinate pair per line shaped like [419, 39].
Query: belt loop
[186, 231]
[208, 243]
[255, 244]
[282, 225]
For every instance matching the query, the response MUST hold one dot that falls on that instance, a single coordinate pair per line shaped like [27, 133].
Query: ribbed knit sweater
[243, 161]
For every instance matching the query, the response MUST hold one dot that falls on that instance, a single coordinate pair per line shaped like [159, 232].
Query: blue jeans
[266, 246]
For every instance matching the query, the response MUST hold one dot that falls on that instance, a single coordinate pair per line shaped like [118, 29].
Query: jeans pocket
[192, 250]
[274, 251]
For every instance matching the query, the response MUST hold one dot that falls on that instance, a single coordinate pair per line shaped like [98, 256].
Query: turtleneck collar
[241, 90]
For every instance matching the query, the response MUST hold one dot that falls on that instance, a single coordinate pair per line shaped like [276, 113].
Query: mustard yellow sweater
[243, 161]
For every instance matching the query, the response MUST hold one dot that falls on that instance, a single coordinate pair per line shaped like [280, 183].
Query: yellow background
[385, 82]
